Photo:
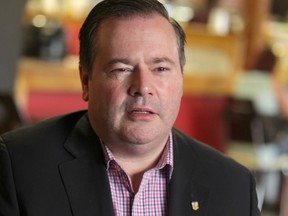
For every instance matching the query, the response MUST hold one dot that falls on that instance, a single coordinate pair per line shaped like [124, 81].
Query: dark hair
[121, 9]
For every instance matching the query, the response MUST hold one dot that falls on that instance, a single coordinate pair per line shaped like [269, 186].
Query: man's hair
[121, 9]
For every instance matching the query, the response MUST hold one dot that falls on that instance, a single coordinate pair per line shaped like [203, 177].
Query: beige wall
[10, 36]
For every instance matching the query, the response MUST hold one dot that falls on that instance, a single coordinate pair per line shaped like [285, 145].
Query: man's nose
[142, 83]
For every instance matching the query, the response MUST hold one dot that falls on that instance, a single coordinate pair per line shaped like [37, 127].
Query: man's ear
[84, 82]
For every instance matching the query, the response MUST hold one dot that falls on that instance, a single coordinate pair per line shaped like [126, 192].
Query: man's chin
[143, 136]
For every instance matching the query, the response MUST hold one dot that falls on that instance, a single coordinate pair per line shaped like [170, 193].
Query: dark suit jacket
[56, 168]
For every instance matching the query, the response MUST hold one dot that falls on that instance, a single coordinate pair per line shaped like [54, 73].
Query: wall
[10, 39]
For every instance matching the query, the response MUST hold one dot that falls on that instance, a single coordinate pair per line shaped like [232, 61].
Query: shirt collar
[165, 159]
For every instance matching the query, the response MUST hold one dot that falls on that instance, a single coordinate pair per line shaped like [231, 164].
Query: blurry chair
[269, 145]
[240, 114]
[10, 115]
[246, 126]
[269, 129]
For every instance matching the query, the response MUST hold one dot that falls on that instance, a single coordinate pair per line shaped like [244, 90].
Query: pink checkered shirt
[151, 198]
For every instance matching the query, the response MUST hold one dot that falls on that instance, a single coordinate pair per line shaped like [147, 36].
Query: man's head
[121, 9]
[131, 65]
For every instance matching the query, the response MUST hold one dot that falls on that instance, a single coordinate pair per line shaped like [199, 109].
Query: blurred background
[235, 84]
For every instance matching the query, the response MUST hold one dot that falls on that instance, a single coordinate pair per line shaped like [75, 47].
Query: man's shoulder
[194, 146]
[53, 128]
[224, 179]
[206, 156]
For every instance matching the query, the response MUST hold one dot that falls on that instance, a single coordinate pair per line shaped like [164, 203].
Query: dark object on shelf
[10, 116]
[47, 42]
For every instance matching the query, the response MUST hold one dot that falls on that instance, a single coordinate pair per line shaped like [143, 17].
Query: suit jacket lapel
[188, 196]
[86, 181]
[85, 178]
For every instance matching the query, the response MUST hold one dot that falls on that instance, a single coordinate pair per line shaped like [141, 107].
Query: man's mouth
[141, 112]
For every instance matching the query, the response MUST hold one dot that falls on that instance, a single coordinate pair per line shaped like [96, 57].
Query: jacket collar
[84, 177]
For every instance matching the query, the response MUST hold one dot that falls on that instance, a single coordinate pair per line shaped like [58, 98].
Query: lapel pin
[195, 206]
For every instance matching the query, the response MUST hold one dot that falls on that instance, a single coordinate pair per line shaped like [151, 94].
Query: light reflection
[39, 21]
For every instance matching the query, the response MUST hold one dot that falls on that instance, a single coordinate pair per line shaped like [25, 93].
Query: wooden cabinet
[213, 61]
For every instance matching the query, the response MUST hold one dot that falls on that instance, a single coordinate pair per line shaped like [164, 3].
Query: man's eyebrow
[118, 60]
[162, 59]
[126, 61]
[115, 61]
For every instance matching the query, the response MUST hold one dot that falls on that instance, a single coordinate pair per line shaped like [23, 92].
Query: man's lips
[141, 110]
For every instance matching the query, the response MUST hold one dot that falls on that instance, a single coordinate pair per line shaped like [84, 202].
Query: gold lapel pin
[195, 206]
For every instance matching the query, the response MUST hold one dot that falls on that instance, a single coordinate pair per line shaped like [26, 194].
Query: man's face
[136, 85]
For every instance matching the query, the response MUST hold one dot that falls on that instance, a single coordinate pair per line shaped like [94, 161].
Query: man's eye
[161, 69]
[121, 70]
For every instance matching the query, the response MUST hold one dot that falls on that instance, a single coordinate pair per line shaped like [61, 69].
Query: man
[122, 157]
